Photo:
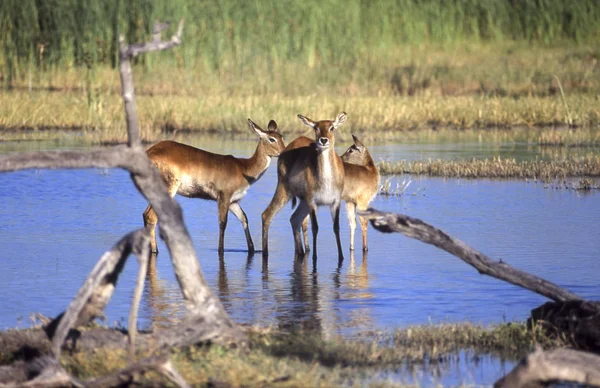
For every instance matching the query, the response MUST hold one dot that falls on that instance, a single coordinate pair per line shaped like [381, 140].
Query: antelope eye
[272, 140]
[350, 150]
[331, 129]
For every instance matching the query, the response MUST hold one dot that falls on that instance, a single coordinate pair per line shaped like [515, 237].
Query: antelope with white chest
[361, 182]
[196, 173]
[315, 175]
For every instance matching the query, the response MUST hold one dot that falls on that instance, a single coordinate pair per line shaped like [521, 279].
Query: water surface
[55, 225]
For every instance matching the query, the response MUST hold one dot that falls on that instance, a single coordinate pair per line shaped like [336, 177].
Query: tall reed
[229, 37]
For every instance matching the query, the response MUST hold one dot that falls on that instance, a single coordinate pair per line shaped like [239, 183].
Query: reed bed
[397, 67]
[234, 34]
[498, 168]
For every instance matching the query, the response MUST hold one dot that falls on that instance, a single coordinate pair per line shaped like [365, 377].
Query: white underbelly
[238, 195]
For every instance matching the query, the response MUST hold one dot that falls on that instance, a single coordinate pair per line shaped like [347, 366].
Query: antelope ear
[306, 121]
[256, 128]
[358, 143]
[272, 126]
[341, 119]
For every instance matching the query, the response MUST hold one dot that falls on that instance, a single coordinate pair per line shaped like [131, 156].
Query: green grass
[306, 359]
[233, 37]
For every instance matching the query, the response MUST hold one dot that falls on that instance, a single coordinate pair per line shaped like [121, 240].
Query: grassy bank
[545, 171]
[305, 359]
[26, 115]
[396, 67]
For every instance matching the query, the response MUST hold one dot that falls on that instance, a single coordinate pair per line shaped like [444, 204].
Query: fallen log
[567, 315]
[415, 228]
[560, 365]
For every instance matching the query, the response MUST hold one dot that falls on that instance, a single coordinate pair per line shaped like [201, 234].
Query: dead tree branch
[415, 228]
[159, 363]
[97, 290]
[126, 52]
[143, 259]
[565, 365]
[206, 319]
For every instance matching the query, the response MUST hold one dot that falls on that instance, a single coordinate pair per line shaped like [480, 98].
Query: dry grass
[31, 116]
[587, 166]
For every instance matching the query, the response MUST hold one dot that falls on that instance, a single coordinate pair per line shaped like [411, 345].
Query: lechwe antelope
[360, 186]
[313, 174]
[196, 173]
[361, 182]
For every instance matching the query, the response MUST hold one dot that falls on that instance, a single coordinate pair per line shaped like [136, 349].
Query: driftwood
[540, 368]
[415, 228]
[206, 319]
[46, 371]
[568, 314]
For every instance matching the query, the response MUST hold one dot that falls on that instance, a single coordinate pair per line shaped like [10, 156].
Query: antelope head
[356, 153]
[270, 140]
[324, 129]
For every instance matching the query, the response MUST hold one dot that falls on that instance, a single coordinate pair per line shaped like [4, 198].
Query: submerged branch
[415, 228]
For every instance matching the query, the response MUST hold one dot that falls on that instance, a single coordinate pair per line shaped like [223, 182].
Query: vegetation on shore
[395, 67]
[542, 170]
[234, 38]
[43, 115]
[587, 166]
[301, 359]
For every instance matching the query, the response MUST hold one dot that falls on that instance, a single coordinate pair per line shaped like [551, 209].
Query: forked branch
[131, 50]
[207, 319]
[95, 293]
[415, 228]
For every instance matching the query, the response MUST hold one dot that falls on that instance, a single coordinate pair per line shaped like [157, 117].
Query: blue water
[55, 225]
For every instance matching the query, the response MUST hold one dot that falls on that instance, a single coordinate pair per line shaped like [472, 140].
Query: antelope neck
[256, 165]
[325, 158]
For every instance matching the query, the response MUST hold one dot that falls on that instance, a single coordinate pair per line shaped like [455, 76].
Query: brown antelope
[315, 175]
[196, 173]
[361, 182]
[360, 186]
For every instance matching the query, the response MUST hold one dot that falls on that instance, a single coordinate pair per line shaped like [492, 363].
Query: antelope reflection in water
[325, 303]
[358, 290]
[162, 304]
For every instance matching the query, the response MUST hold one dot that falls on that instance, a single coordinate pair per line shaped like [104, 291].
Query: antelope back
[299, 142]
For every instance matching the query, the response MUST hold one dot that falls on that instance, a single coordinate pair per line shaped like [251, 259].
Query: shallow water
[55, 225]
